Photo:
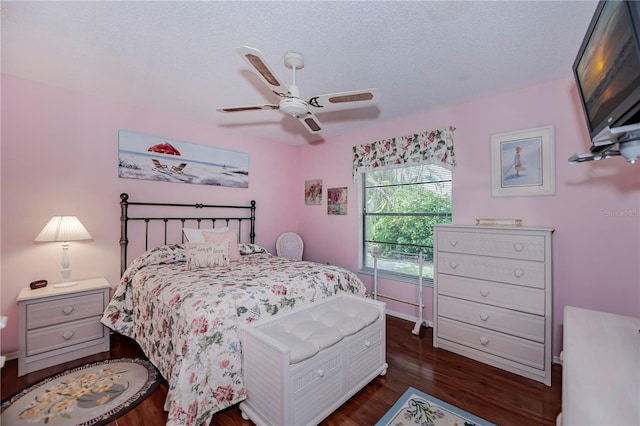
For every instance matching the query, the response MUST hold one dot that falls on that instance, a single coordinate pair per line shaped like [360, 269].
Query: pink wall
[60, 156]
[596, 255]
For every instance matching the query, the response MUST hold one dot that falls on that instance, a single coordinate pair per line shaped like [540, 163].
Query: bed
[184, 304]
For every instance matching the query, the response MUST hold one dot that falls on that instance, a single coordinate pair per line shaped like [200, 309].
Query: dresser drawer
[514, 246]
[525, 299]
[518, 272]
[512, 348]
[63, 335]
[64, 309]
[516, 323]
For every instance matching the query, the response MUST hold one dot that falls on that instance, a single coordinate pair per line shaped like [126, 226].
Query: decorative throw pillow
[205, 255]
[231, 237]
[249, 248]
[196, 235]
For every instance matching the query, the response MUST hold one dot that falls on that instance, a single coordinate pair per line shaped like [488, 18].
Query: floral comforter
[187, 322]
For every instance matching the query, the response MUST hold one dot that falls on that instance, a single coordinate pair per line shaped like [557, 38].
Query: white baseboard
[11, 355]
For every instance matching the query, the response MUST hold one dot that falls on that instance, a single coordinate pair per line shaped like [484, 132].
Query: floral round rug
[93, 394]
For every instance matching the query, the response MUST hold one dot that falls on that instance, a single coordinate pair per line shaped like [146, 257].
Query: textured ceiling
[179, 57]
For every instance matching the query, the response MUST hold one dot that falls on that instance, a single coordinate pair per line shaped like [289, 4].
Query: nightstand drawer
[65, 309]
[63, 335]
[60, 324]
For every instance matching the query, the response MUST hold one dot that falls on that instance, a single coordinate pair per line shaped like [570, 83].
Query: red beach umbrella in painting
[164, 148]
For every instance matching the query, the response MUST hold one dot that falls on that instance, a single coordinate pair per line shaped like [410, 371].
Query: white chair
[290, 245]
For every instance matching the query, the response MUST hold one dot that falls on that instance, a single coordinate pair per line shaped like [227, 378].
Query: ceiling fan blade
[255, 58]
[344, 100]
[311, 123]
[247, 108]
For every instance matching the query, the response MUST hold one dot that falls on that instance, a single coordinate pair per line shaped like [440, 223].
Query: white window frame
[383, 273]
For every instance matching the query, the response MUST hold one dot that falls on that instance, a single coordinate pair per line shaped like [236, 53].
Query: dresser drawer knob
[68, 334]
[484, 341]
[518, 273]
[454, 265]
[453, 242]
[367, 344]
[518, 247]
[67, 310]
[484, 292]
[484, 316]
[320, 372]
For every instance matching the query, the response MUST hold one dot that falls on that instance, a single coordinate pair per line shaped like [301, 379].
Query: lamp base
[66, 284]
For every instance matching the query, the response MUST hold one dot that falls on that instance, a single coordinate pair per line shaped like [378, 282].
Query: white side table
[600, 368]
[58, 325]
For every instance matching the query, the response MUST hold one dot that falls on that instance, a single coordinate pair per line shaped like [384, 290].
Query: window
[399, 208]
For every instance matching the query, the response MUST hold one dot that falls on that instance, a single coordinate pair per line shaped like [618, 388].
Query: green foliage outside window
[401, 207]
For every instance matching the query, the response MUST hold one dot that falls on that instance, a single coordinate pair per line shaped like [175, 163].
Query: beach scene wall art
[149, 157]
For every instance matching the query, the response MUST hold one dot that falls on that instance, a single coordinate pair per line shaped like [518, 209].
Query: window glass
[400, 207]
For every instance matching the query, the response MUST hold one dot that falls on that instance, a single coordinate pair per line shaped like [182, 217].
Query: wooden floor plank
[495, 395]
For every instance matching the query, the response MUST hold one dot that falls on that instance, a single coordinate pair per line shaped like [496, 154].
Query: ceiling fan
[290, 102]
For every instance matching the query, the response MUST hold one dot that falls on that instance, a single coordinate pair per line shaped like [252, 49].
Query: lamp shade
[63, 228]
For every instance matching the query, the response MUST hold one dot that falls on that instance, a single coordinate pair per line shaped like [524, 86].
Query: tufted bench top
[315, 328]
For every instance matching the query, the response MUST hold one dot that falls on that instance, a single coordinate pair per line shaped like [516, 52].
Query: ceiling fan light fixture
[294, 107]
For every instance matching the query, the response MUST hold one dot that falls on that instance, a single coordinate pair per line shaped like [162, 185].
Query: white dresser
[57, 325]
[600, 369]
[492, 297]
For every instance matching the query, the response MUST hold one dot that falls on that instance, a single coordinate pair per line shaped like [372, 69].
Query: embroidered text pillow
[205, 255]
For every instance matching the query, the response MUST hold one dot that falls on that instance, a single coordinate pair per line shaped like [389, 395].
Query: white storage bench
[302, 365]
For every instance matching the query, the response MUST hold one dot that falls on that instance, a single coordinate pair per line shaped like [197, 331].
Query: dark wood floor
[500, 397]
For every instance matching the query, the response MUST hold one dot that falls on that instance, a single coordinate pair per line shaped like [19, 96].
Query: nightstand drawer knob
[484, 316]
[67, 310]
[68, 334]
[454, 265]
[320, 372]
[518, 247]
[453, 242]
[484, 292]
[484, 341]
[518, 273]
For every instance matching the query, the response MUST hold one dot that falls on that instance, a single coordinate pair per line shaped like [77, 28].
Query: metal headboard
[125, 218]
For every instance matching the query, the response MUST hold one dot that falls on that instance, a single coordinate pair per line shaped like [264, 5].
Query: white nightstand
[57, 325]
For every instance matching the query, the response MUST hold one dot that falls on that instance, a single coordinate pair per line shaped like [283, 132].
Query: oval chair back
[290, 245]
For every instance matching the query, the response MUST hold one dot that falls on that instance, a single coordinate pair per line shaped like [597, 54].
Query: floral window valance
[430, 147]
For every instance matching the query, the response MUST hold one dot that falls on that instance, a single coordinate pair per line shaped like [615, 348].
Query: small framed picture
[313, 192]
[523, 163]
[337, 201]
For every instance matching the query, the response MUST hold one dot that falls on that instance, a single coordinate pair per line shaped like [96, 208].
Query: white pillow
[206, 255]
[195, 235]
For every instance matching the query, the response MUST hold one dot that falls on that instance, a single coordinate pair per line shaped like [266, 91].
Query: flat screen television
[607, 69]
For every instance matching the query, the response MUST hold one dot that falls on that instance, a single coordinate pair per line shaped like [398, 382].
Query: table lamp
[64, 229]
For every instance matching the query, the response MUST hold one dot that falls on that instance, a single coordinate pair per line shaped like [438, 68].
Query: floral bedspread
[187, 322]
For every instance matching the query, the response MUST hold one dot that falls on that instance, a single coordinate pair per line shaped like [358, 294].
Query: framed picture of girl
[522, 163]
